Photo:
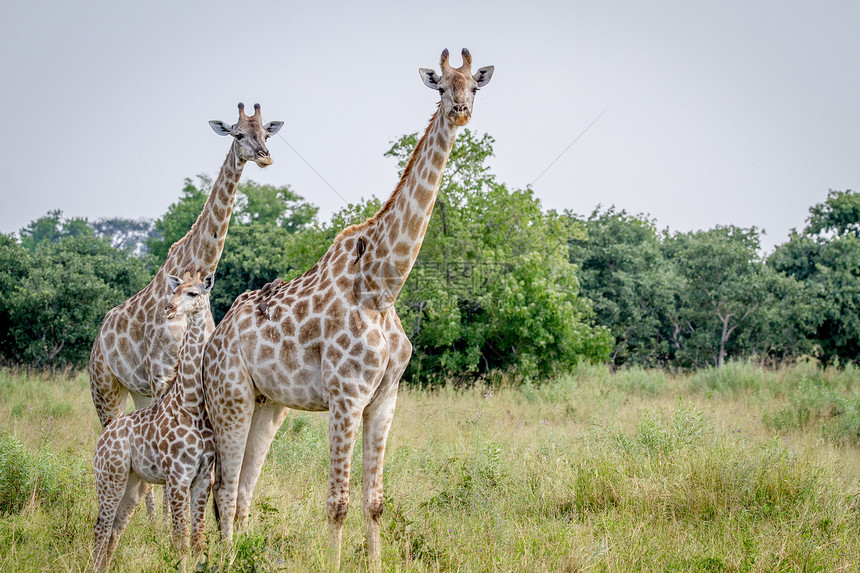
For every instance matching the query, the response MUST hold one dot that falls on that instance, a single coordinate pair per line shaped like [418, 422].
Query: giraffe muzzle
[460, 114]
[263, 158]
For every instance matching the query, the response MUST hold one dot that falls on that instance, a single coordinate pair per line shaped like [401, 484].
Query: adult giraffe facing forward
[137, 349]
[331, 339]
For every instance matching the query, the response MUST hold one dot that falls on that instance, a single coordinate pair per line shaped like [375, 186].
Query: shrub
[26, 477]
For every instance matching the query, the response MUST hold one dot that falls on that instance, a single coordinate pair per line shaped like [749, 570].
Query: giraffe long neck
[400, 225]
[202, 246]
[187, 389]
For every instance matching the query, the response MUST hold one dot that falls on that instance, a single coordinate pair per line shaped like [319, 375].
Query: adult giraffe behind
[331, 340]
[137, 348]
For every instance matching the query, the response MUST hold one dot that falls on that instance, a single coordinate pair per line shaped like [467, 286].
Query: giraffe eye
[192, 294]
[239, 136]
[441, 91]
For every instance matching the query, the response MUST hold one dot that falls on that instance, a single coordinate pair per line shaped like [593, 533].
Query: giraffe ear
[483, 75]
[221, 128]
[430, 79]
[208, 282]
[173, 281]
[273, 127]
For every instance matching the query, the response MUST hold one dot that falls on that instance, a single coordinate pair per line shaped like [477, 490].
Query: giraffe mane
[183, 239]
[397, 190]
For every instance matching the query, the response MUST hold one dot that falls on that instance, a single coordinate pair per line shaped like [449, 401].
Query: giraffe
[137, 347]
[330, 340]
[168, 442]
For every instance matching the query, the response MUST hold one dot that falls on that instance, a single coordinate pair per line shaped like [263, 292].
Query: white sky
[735, 113]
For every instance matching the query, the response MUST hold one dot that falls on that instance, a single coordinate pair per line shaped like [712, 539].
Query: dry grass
[636, 470]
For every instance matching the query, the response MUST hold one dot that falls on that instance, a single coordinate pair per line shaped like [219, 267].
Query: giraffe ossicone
[330, 340]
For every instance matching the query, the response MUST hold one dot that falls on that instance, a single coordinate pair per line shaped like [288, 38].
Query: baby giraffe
[169, 442]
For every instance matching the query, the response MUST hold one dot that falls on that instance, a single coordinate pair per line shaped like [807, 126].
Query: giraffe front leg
[377, 423]
[264, 425]
[177, 489]
[343, 424]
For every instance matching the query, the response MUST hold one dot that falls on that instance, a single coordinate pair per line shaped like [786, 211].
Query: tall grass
[598, 471]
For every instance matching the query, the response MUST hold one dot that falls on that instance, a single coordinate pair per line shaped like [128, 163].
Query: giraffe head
[457, 86]
[188, 294]
[250, 135]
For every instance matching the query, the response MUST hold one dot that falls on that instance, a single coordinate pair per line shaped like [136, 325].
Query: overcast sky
[730, 112]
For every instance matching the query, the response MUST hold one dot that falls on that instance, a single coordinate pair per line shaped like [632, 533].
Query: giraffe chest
[141, 353]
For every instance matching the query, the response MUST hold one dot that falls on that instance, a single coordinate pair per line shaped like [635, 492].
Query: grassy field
[731, 470]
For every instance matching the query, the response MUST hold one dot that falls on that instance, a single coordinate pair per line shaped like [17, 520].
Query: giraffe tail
[216, 487]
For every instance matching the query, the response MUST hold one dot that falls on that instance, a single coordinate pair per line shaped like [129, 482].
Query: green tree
[54, 298]
[839, 215]
[256, 249]
[53, 227]
[492, 288]
[725, 285]
[180, 217]
[825, 257]
[254, 254]
[634, 288]
[273, 206]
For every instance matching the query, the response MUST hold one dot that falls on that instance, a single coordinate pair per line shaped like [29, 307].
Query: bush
[26, 477]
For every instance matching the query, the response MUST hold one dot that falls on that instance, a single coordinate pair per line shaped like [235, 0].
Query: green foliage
[634, 288]
[826, 258]
[273, 206]
[839, 215]
[254, 254]
[55, 297]
[27, 477]
[51, 228]
[180, 217]
[492, 288]
[724, 286]
[307, 246]
[257, 248]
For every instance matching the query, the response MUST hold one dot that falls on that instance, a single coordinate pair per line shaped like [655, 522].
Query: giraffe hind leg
[264, 425]
[377, 423]
[109, 395]
[135, 488]
[344, 420]
[230, 443]
[200, 489]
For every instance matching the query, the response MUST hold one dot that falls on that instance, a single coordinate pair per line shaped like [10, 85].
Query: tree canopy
[500, 284]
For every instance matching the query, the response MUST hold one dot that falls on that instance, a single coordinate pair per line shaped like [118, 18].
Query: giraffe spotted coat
[330, 340]
[168, 442]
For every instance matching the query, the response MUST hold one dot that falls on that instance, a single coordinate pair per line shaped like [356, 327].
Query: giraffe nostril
[263, 153]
